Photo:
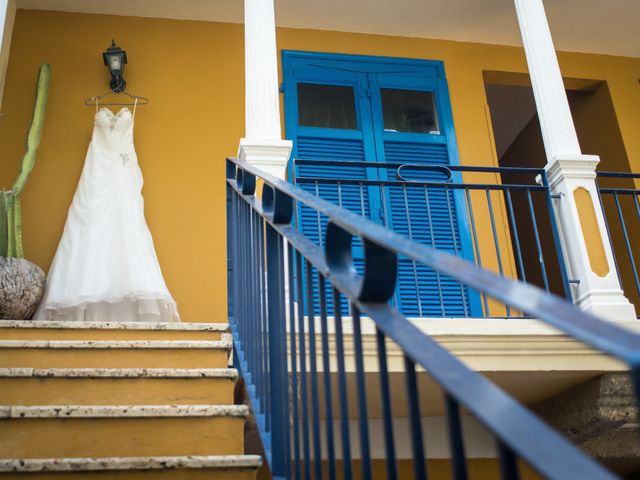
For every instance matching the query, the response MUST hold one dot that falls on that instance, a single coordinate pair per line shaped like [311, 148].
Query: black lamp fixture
[115, 59]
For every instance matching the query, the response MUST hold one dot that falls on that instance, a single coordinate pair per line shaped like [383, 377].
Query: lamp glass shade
[115, 63]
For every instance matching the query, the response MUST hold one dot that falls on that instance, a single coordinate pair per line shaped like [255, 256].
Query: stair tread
[120, 372]
[122, 411]
[107, 344]
[220, 327]
[129, 463]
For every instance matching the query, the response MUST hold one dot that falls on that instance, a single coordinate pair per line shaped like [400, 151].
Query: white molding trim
[483, 344]
[269, 155]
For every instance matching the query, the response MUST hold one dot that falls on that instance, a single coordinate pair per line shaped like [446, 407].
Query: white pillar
[263, 145]
[571, 175]
[7, 15]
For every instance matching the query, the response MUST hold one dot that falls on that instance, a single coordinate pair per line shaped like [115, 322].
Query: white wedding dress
[106, 268]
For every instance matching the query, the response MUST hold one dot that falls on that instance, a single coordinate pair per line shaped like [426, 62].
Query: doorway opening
[518, 142]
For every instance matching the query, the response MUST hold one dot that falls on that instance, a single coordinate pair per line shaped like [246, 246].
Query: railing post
[277, 355]
[571, 176]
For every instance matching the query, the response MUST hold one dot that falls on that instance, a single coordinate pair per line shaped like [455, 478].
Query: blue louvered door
[343, 108]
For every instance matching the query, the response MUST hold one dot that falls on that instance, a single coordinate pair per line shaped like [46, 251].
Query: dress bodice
[113, 131]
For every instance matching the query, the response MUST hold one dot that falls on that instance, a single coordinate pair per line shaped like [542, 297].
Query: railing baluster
[508, 463]
[637, 205]
[433, 245]
[625, 234]
[417, 443]
[293, 294]
[342, 387]
[476, 248]
[536, 235]
[556, 236]
[363, 416]
[326, 367]
[303, 370]
[313, 371]
[514, 229]
[458, 460]
[270, 244]
[386, 220]
[449, 200]
[277, 393]
[387, 415]
[496, 242]
[413, 263]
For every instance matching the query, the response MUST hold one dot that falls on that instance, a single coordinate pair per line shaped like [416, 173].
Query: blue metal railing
[273, 266]
[503, 221]
[621, 205]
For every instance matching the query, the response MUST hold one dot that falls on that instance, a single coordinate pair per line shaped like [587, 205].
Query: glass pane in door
[326, 106]
[409, 111]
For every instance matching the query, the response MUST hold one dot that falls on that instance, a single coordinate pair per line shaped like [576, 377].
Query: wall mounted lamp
[115, 59]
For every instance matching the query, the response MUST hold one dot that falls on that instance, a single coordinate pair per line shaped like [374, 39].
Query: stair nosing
[114, 344]
[152, 326]
[128, 463]
[169, 373]
[121, 411]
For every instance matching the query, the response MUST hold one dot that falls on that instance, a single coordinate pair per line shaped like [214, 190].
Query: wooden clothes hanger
[136, 99]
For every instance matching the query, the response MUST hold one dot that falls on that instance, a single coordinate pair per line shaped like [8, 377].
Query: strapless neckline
[110, 112]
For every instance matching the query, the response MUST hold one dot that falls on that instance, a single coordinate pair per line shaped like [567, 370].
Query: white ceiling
[597, 26]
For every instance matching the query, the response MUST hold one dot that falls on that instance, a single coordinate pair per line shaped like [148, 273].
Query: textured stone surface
[216, 327]
[115, 344]
[129, 463]
[21, 288]
[118, 411]
[119, 372]
[592, 408]
[601, 416]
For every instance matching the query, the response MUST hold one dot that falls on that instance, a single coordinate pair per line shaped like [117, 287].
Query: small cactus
[10, 213]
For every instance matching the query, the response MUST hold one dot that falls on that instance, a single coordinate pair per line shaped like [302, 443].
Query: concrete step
[114, 353]
[119, 431]
[44, 330]
[227, 467]
[116, 386]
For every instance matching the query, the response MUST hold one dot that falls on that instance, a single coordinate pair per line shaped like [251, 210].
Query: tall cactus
[10, 213]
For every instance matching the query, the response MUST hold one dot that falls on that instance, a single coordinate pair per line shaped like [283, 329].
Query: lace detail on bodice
[113, 131]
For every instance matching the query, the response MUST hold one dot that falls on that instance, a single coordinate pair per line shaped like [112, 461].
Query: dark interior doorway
[519, 144]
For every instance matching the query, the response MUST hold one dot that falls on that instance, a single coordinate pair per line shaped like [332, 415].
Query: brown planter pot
[21, 288]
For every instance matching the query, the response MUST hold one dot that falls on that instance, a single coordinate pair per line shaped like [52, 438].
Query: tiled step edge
[231, 373]
[120, 411]
[129, 463]
[218, 327]
[114, 344]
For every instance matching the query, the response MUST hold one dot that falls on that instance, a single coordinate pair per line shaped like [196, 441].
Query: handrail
[269, 221]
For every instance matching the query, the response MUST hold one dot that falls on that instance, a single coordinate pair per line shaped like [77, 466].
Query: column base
[268, 155]
[610, 305]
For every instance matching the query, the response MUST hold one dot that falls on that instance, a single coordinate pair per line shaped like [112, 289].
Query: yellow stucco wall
[193, 73]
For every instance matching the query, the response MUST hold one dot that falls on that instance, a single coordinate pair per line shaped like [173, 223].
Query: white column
[263, 145]
[7, 15]
[571, 175]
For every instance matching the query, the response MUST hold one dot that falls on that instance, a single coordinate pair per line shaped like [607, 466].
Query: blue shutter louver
[351, 197]
[420, 292]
